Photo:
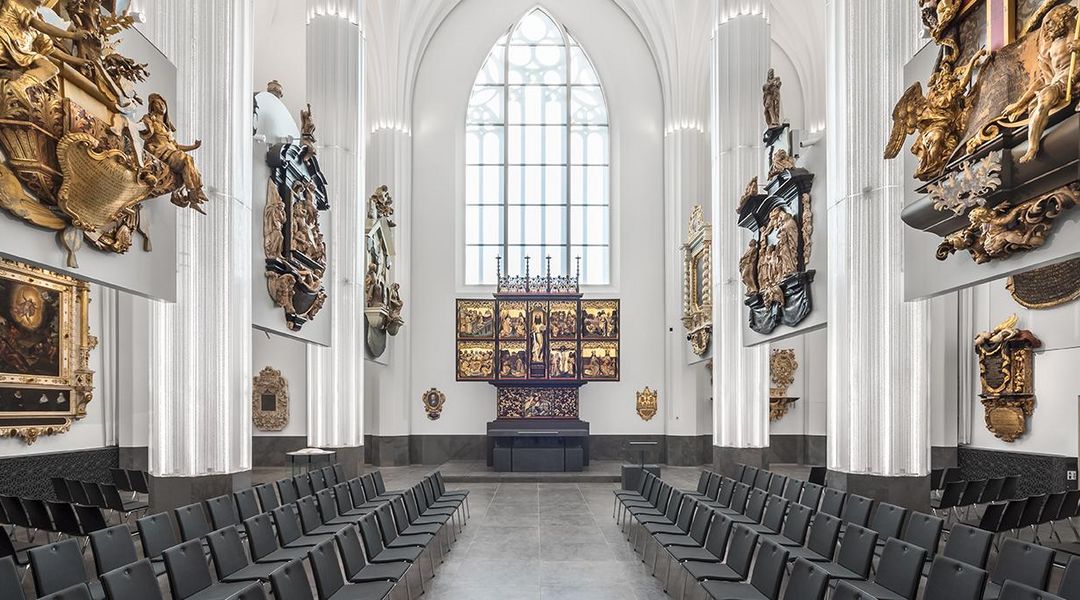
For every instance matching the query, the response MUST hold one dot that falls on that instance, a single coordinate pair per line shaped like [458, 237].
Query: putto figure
[159, 141]
[771, 99]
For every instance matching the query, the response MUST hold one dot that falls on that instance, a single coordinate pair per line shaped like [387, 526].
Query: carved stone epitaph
[1007, 371]
[433, 401]
[382, 295]
[782, 367]
[697, 282]
[270, 400]
[647, 404]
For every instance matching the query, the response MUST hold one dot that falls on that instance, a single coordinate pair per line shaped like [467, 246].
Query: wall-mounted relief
[647, 404]
[383, 303]
[1046, 287]
[45, 344]
[1007, 374]
[292, 239]
[697, 282]
[71, 163]
[270, 400]
[782, 367]
[994, 133]
[433, 401]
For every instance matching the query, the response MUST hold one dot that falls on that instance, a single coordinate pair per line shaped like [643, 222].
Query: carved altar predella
[774, 269]
[1007, 376]
[292, 238]
[697, 282]
[994, 134]
[45, 344]
[76, 160]
[382, 295]
[270, 400]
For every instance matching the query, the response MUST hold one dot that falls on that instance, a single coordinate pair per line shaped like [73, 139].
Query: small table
[631, 473]
[299, 459]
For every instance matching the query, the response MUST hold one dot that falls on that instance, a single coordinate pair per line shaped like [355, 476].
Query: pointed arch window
[537, 158]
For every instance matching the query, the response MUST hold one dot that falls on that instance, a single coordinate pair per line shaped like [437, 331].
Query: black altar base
[538, 445]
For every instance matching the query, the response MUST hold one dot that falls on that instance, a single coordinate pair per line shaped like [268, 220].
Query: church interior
[519, 300]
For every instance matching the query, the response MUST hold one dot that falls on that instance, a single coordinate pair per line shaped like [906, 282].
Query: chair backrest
[192, 521]
[823, 535]
[968, 545]
[287, 491]
[38, 513]
[325, 569]
[330, 476]
[352, 551]
[717, 540]
[247, 504]
[187, 569]
[1014, 590]
[1069, 506]
[356, 487]
[136, 580]
[113, 501]
[386, 523]
[832, 502]
[13, 509]
[775, 509]
[368, 481]
[227, 551]
[672, 500]
[156, 534]
[401, 516]
[700, 525]
[749, 475]
[291, 582]
[740, 469]
[1051, 507]
[952, 493]
[797, 522]
[63, 518]
[924, 531]
[888, 520]
[302, 482]
[811, 495]
[260, 536]
[76, 592]
[954, 580]
[120, 479]
[1010, 488]
[936, 475]
[309, 514]
[318, 480]
[112, 548]
[991, 517]
[846, 591]
[857, 549]
[777, 484]
[57, 566]
[287, 524]
[703, 482]
[806, 582]
[755, 506]
[410, 505]
[857, 510]
[138, 481]
[76, 491]
[267, 497]
[7, 547]
[992, 490]
[762, 480]
[972, 492]
[769, 569]
[817, 475]
[1023, 562]
[1069, 586]
[1032, 510]
[686, 512]
[10, 582]
[1013, 514]
[94, 494]
[793, 490]
[327, 508]
[339, 472]
[743, 542]
[900, 568]
[369, 532]
[380, 485]
[91, 519]
[723, 494]
[60, 489]
[343, 498]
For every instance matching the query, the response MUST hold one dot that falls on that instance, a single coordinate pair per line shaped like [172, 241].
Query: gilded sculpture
[782, 367]
[771, 99]
[647, 404]
[433, 401]
[270, 400]
[1003, 231]
[383, 304]
[697, 282]
[1006, 372]
[71, 163]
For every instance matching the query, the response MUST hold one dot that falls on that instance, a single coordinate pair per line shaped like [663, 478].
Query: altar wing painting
[476, 360]
[600, 361]
[513, 362]
[476, 319]
[512, 320]
[600, 319]
[564, 320]
[563, 360]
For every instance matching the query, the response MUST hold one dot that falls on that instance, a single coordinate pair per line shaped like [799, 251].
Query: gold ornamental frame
[697, 282]
[782, 367]
[1007, 377]
[647, 403]
[433, 401]
[270, 383]
[75, 343]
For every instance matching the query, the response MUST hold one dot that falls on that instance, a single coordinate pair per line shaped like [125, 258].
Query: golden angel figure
[26, 43]
[159, 141]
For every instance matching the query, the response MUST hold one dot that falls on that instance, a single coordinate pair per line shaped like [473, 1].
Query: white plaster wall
[631, 86]
[281, 51]
[290, 357]
[1052, 429]
[944, 357]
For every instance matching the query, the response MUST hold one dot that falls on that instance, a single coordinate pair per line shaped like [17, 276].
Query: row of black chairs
[396, 526]
[715, 545]
[966, 494]
[1030, 513]
[106, 496]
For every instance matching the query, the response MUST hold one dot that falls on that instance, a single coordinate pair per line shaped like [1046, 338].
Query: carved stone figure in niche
[781, 161]
[748, 268]
[782, 367]
[307, 128]
[275, 88]
[381, 205]
[383, 302]
[750, 192]
[777, 259]
[771, 99]
[1007, 377]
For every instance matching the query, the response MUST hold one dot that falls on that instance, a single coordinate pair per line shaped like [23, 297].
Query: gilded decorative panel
[697, 282]
[600, 361]
[599, 319]
[1007, 372]
[476, 319]
[270, 400]
[475, 360]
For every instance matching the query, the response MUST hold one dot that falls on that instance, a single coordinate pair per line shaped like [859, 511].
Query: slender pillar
[334, 87]
[200, 346]
[740, 375]
[878, 347]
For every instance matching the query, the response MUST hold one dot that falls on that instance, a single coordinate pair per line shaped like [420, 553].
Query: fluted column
[740, 375]
[200, 346]
[334, 87]
[878, 344]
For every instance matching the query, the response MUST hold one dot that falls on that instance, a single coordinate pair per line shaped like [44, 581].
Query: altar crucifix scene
[539, 299]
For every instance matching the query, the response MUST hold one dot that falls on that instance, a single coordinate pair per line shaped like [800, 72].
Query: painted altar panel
[513, 361]
[599, 319]
[538, 339]
[475, 361]
[600, 361]
[476, 319]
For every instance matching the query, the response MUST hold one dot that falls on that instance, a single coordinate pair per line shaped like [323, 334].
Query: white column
[878, 344]
[334, 88]
[740, 375]
[200, 347]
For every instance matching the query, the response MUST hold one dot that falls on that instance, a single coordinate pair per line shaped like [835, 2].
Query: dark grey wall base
[167, 493]
[1039, 473]
[29, 476]
[351, 459]
[135, 458]
[617, 447]
[437, 449]
[725, 459]
[269, 450]
[909, 492]
[797, 449]
[688, 450]
[386, 451]
[944, 456]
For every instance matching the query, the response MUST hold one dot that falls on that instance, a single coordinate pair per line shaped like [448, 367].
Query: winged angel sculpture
[937, 119]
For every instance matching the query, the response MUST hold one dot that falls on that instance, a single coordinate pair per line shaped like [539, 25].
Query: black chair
[289, 530]
[954, 580]
[793, 534]
[887, 521]
[290, 582]
[339, 472]
[247, 504]
[972, 493]
[357, 569]
[379, 553]
[924, 531]
[765, 580]
[302, 483]
[832, 502]
[898, 573]
[312, 523]
[287, 491]
[10, 582]
[318, 481]
[113, 548]
[91, 519]
[1010, 487]
[736, 565]
[138, 481]
[330, 476]
[59, 566]
[264, 545]
[38, 513]
[64, 520]
[77, 492]
[777, 485]
[116, 503]
[16, 514]
[231, 563]
[222, 512]
[821, 543]
[856, 510]
[755, 508]
[75, 592]
[330, 583]
[1069, 586]
[156, 534]
[817, 476]
[968, 545]
[1021, 562]
[936, 476]
[393, 539]
[1014, 590]
[1049, 512]
[990, 519]
[346, 505]
[855, 555]
[772, 521]
[749, 475]
[1030, 517]
[94, 494]
[739, 470]
[807, 582]
[8, 550]
[1011, 517]
[992, 490]
[406, 526]
[189, 575]
[328, 509]
[121, 480]
[793, 490]
[763, 479]
[136, 580]
[359, 496]
[60, 489]
[267, 497]
[737, 502]
[950, 497]
[192, 521]
[811, 495]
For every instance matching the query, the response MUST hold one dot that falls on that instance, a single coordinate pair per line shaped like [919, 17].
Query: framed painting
[600, 361]
[563, 360]
[563, 320]
[600, 319]
[45, 343]
[475, 361]
[512, 320]
[513, 360]
[476, 319]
